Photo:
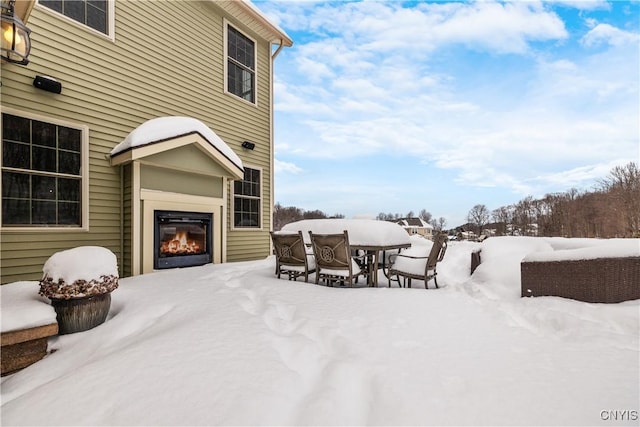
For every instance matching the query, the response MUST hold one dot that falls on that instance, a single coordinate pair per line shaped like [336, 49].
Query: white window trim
[84, 173]
[111, 26]
[225, 26]
[232, 222]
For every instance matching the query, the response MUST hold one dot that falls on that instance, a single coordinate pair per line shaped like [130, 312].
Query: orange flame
[180, 244]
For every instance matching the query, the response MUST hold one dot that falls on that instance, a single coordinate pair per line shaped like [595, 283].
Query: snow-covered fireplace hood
[174, 164]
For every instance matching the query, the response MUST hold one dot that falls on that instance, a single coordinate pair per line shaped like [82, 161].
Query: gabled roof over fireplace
[168, 133]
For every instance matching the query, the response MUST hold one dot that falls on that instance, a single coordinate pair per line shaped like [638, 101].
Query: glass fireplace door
[182, 239]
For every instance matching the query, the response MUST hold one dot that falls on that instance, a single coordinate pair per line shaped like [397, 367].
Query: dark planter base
[81, 314]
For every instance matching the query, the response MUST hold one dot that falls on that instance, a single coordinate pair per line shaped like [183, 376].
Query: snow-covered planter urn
[79, 283]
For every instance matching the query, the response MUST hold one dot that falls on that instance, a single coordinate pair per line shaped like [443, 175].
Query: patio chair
[419, 267]
[334, 258]
[292, 256]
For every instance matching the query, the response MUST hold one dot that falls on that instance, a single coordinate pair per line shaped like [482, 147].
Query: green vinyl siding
[127, 227]
[114, 86]
[188, 158]
[247, 244]
[250, 245]
[175, 181]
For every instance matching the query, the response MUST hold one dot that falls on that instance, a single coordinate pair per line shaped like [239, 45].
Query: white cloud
[430, 85]
[336, 54]
[305, 100]
[359, 87]
[385, 26]
[381, 26]
[576, 176]
[314, 69]
[605, 34]
[585, 5]
[502, 28]
[286, 167]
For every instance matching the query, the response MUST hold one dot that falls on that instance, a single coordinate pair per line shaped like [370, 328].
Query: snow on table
[362, 232]
[23, 308]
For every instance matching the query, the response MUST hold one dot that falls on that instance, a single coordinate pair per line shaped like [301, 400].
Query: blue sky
[389, 106]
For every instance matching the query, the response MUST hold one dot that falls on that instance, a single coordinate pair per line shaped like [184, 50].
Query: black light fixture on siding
[47, 83]
[16, 42]
[248, 145]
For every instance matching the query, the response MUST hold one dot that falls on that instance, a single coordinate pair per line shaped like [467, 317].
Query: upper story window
[42, 173]
[92, 13]
[247, 199]
[241, 65]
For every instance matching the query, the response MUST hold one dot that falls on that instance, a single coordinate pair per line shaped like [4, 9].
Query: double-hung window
[241, 65]
[92, 13]
[42, 173]
[247, 199]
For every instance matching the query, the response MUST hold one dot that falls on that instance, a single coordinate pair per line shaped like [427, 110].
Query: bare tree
[285, 215]
[502, 217]
[478, 216]
[623, 183]
[425, 216]
[552, 222]
[524, 215]
[316, 214]
[612, 210]
[438, 224]
[387, 216]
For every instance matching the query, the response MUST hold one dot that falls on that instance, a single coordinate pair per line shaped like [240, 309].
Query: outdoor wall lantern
[16, 43]
[248, 145]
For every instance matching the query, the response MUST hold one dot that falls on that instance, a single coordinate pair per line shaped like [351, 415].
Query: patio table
[371, 236]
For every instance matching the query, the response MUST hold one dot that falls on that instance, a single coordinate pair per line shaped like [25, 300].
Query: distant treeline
[284, 215]
[612, 209]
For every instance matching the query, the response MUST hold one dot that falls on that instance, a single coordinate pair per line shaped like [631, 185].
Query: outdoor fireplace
[182, 239]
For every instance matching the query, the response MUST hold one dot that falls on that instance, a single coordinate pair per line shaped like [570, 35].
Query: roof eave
[273, 34]
[22, 9]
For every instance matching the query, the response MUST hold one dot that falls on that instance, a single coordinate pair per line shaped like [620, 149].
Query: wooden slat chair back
[333, 258]
[430, 262]
[439, 248]
[292, 256]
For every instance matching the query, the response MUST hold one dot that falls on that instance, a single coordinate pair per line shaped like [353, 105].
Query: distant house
[99, 72]
[464, 232]
[416, 226]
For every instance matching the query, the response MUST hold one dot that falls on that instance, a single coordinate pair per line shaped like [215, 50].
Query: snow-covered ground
[230, 344]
